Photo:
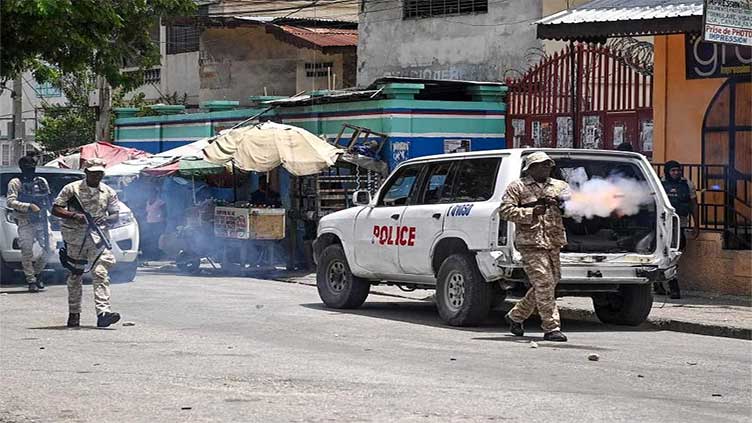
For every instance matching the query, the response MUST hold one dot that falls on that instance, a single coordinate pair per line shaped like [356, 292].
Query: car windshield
[56, 180]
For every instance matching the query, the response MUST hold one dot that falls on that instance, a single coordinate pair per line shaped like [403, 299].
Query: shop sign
[711, 60]
[728, 22]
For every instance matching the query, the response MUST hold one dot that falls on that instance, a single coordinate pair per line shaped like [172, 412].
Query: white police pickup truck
[434, 224]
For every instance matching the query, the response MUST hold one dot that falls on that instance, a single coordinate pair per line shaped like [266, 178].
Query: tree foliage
[72, 124]
[54, 37]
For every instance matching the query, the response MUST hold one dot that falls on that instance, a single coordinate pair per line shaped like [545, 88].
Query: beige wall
[236, 63]
[679, 104]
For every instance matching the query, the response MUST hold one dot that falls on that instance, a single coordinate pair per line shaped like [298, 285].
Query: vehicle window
[438, 186]
[476, 180]
[56, 180]
[399, 187]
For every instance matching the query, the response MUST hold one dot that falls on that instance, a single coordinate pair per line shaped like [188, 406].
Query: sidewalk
[726, 316]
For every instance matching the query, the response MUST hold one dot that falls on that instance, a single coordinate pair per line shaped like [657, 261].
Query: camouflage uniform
[539, 240]
[31, 226]
[80, 245]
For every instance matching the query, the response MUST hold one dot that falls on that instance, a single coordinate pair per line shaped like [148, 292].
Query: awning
[602, 19]
[321, 38]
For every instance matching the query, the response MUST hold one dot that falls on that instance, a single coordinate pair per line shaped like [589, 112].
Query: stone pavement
[697, 312]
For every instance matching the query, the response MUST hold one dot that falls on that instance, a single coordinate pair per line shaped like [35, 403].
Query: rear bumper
[494, 265]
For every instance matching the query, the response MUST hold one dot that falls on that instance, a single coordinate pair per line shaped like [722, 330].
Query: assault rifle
[546, 201]
[40, 219]
[91, 228]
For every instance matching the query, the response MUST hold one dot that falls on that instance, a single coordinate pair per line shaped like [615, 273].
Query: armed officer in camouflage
[532, 204]
[82, 246]
[29, 197]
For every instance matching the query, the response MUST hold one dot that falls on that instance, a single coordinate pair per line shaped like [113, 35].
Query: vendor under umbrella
[265, 196]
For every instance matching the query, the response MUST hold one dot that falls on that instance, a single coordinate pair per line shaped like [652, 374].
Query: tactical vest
[679, 195]
[36, 192]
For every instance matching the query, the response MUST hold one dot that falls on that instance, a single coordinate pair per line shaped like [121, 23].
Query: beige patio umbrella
[263, 147]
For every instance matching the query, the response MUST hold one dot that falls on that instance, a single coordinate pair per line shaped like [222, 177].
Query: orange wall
[679, 104]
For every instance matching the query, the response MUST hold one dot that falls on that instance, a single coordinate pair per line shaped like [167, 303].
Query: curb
[579, 314]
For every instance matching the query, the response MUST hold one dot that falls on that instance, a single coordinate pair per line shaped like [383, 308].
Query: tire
[125, 272]
[630, 307]
[337, 286]
[463, 297]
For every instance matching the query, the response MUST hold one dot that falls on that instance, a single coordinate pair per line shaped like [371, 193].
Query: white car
[435, 224]
[124, 234]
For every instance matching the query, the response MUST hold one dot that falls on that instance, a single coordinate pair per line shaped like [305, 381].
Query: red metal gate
[585, 90]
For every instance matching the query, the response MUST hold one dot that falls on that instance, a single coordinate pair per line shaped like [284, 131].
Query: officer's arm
[510, 210]
[61, 202]
[13, 190]
[113, 208]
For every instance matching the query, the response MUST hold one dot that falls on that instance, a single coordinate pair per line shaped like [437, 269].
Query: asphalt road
[240, 349]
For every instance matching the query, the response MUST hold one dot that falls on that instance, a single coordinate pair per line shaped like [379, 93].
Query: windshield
[56, 180]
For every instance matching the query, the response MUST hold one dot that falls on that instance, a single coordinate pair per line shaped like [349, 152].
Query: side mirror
[361, 198]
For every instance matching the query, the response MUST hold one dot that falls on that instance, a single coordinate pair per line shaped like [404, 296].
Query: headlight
[9, 217]
[124, 219]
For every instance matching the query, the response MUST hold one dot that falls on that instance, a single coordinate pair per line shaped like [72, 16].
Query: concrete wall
[240, 62]
[484, 47]
[471, 47]
[179, 74]
[705, 266]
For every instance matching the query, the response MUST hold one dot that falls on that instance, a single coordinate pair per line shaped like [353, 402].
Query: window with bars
[182, 39]
[416, 9]
[317, 70]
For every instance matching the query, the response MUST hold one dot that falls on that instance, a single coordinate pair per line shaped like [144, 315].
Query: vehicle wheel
[463, 297]
[337, 286]
[630, 306]
[125, 272]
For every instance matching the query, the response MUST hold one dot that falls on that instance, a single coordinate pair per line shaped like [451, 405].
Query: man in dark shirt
[265, 196]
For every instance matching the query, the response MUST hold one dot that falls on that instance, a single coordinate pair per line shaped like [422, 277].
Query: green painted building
[421, 117]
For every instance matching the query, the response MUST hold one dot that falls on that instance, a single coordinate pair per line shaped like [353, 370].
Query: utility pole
[18, 123]
[103, 110]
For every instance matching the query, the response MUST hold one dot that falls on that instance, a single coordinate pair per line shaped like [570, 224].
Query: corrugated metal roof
[624, 10]
[323, 37]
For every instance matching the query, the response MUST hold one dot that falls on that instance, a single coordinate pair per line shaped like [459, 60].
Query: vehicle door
[377, 228]
[423, 221]
[471, 215]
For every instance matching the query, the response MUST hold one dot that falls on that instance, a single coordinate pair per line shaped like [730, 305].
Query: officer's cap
[537, 157]
[95, 165]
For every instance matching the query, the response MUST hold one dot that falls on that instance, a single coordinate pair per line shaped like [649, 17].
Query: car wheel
[337, 286]
[630, 306]
[125, 272]
[463, 297]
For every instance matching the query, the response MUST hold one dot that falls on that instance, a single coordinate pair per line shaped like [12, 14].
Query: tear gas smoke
[604, 197]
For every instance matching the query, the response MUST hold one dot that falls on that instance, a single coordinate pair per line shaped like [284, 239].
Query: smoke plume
[605, 197]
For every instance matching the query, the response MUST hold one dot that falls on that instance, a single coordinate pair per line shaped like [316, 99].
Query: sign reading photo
[711, 60]
[728, 21]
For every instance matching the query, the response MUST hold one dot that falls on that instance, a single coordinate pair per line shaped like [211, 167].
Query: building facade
[477, 40]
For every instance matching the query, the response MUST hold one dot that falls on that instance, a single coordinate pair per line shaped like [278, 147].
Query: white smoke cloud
[604, 197]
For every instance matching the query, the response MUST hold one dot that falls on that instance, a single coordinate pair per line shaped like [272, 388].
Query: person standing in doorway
[532, 204]
[155, 222]
[82, 245]
[681, 192]
[29, 197]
